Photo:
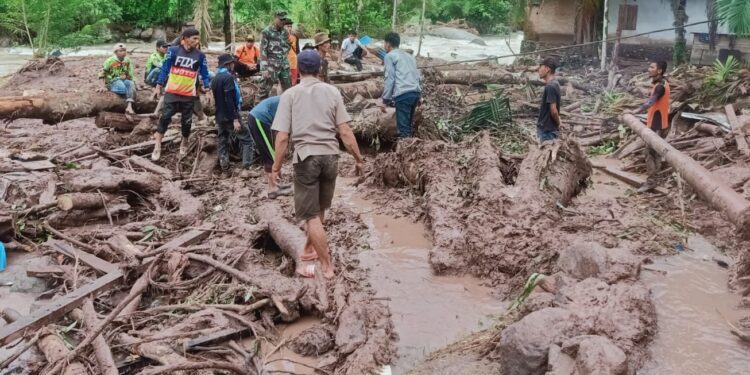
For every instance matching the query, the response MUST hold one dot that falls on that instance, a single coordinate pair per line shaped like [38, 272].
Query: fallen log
[111, 179]
[156, 351]
[150, 166]
[54, 350]
[367, 89]
[102, 352]
[119, 243]
[116, 120]
[188, 206]
[83, 201]
[710, 188]
[53, 108]
[372, 123]
[739, 134]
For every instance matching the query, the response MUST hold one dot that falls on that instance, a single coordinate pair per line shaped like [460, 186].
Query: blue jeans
[152, 76]
[123, 87]
[545, 135]
[405, 105]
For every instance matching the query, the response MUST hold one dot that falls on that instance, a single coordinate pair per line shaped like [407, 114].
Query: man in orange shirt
[247, 56]
[293, 52]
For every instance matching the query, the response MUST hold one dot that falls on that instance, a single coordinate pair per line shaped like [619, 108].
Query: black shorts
[263, 138]
[314, 185]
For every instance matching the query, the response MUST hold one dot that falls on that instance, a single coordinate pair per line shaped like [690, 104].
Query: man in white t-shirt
[352, 51]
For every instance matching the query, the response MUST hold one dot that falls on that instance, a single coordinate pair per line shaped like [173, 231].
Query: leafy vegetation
[735, 14]
[605, 148]
[718, 86]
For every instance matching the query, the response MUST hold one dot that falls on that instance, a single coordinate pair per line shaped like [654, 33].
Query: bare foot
[328, 273]
[307, 271]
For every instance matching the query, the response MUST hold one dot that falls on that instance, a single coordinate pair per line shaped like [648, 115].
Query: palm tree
[679, 8]
[735, 14]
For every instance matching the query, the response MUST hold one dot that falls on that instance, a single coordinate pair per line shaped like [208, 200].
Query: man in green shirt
[153, 66]
[274, 61]
[119, 76]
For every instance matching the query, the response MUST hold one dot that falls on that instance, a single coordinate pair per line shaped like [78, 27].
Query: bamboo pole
[421, 27]
[710, 188]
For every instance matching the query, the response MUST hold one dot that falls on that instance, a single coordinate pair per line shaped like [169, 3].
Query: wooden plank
[631, 179]
[47, 271]
[216, 338]
[89, 259]
[739, 135]
[58, 307]
[151, 167]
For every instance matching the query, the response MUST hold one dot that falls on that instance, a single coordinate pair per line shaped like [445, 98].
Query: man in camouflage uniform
[274, 64]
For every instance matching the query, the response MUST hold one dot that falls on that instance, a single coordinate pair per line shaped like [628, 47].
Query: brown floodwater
[692, 301]
[428, 311]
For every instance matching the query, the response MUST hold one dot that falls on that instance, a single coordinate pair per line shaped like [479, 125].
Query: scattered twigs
[197, 366]
[65, 237]
[102, 351]
[135, 292]
[6, 362]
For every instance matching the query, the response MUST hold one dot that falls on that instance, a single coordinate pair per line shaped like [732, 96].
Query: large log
[116, 120]
[81, 201]
[56, 107]
[372, 123]
[708, 186]
[368, 89]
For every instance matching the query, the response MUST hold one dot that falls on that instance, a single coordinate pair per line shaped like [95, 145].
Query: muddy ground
[228, 299]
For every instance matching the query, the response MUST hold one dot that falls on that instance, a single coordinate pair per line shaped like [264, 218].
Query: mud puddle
[693, 337]
[428, 311]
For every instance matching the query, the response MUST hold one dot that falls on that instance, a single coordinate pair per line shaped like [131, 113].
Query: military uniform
[274, 61]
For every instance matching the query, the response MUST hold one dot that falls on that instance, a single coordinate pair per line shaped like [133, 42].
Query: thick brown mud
[428, 311]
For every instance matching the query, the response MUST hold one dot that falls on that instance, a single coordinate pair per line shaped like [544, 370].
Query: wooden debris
[102, 352]
[710, 188]
[150, 166]
[79, 201]
[739, 135]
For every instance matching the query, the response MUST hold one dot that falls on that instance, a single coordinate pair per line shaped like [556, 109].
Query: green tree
[736, 15]
[484, 15]
[679, 9]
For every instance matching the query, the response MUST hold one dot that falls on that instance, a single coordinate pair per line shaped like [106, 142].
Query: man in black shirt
[228, 100]
[548, 123]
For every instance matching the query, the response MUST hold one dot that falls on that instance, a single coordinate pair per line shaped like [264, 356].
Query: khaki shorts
[314, 185]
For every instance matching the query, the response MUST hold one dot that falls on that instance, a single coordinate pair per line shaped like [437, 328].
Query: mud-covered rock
[596, 355]
[560, 363]
[582, 260]
[622, 312]
[313, 341]
[352, 332]
[524, 345]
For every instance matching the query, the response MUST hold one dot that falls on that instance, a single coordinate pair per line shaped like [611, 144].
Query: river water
[11, 59]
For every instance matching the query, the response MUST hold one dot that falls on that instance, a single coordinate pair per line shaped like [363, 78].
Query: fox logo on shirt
[186, 62]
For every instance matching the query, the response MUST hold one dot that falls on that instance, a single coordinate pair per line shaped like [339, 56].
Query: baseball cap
[280, 13]
[308, 61]
[119, 46]
[161, 43]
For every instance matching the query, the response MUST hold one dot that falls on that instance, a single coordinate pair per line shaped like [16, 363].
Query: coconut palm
[735, 14]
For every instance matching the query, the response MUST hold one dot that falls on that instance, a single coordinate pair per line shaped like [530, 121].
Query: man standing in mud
[118, 76]
[228, 100]
[548, 122]
[657, 107]
[312, 114]
[274, 63]
[180, 71]
[402, 87]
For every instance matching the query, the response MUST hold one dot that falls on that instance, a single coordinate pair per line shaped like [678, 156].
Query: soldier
[274, 63]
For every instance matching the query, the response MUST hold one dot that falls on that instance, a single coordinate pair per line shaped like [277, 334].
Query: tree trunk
[116, 120]
[54, 349]
[372, 123]
[618, 35]
[710, 188]
[111, 179]
[713, 26]
[679, 8]
[369, 89]
[227, 27]
[53, 108]
[605, 35]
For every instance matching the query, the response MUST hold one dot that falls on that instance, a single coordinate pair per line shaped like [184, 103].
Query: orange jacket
[247, 55]
[661, 106]
[294, 43]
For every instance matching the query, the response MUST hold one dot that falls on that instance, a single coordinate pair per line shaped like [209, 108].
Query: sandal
[307, 271]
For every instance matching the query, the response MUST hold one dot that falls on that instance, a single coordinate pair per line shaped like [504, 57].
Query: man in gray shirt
[402, 88]
[311, 115]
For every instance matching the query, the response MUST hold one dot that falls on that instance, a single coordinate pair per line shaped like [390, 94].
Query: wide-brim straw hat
[321, 38]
